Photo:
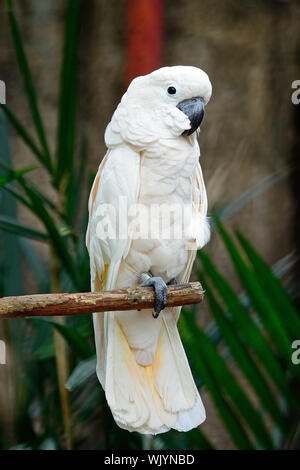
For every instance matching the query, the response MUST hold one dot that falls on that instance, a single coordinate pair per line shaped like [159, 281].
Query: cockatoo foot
[161, 289]
[172, 282]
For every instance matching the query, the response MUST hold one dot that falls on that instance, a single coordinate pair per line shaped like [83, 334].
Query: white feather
[141, 362]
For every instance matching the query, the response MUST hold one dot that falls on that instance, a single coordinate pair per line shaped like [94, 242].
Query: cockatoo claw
[161, 290]
[172, 282]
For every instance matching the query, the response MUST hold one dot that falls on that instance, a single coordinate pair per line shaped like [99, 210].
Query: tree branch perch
[135, 298]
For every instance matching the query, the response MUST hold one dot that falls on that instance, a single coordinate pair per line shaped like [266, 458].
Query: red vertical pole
[144, 37]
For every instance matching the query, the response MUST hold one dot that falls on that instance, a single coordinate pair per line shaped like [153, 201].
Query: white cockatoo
[152, 162]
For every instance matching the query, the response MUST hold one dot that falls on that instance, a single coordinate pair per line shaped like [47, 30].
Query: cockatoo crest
[148, 111]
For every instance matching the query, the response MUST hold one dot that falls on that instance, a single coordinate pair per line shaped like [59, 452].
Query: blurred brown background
[250, 50]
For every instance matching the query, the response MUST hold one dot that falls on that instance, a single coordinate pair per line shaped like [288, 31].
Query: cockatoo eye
[171, 90]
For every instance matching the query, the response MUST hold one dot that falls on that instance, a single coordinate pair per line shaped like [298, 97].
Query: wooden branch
[136, 298]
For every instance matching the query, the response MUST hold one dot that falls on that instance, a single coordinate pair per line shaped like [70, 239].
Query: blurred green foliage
[252, 331]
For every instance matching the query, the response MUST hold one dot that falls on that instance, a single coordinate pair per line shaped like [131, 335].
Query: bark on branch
[136, 298]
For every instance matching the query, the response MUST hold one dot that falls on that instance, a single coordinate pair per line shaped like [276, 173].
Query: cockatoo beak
[193, 108]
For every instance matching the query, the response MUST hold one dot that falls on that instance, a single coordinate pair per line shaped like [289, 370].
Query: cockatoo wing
[186, 402]
[148, 399]
[116, 183]
[115, 188]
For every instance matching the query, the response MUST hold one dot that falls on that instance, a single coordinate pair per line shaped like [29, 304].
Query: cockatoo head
[166, 103]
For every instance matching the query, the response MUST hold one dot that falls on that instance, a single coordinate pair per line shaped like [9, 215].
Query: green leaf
[4, 179]
[198, 440]
[25, 184]
[14, 175]
[45, 350]
[13, 226]
[28, 84]
[75, 340]
[10, 257]
[277, 294]
[81, 373]
[67, 96]
[279, 269]
[48, 444]
[74, 190]
[208, 352]
[233, 207]
[206, 373]
[36, 264]
[260, 302]
[239, 350]
[174, 440]
[21, 131]
[248, 329]
[37, 206]
[17, 195]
